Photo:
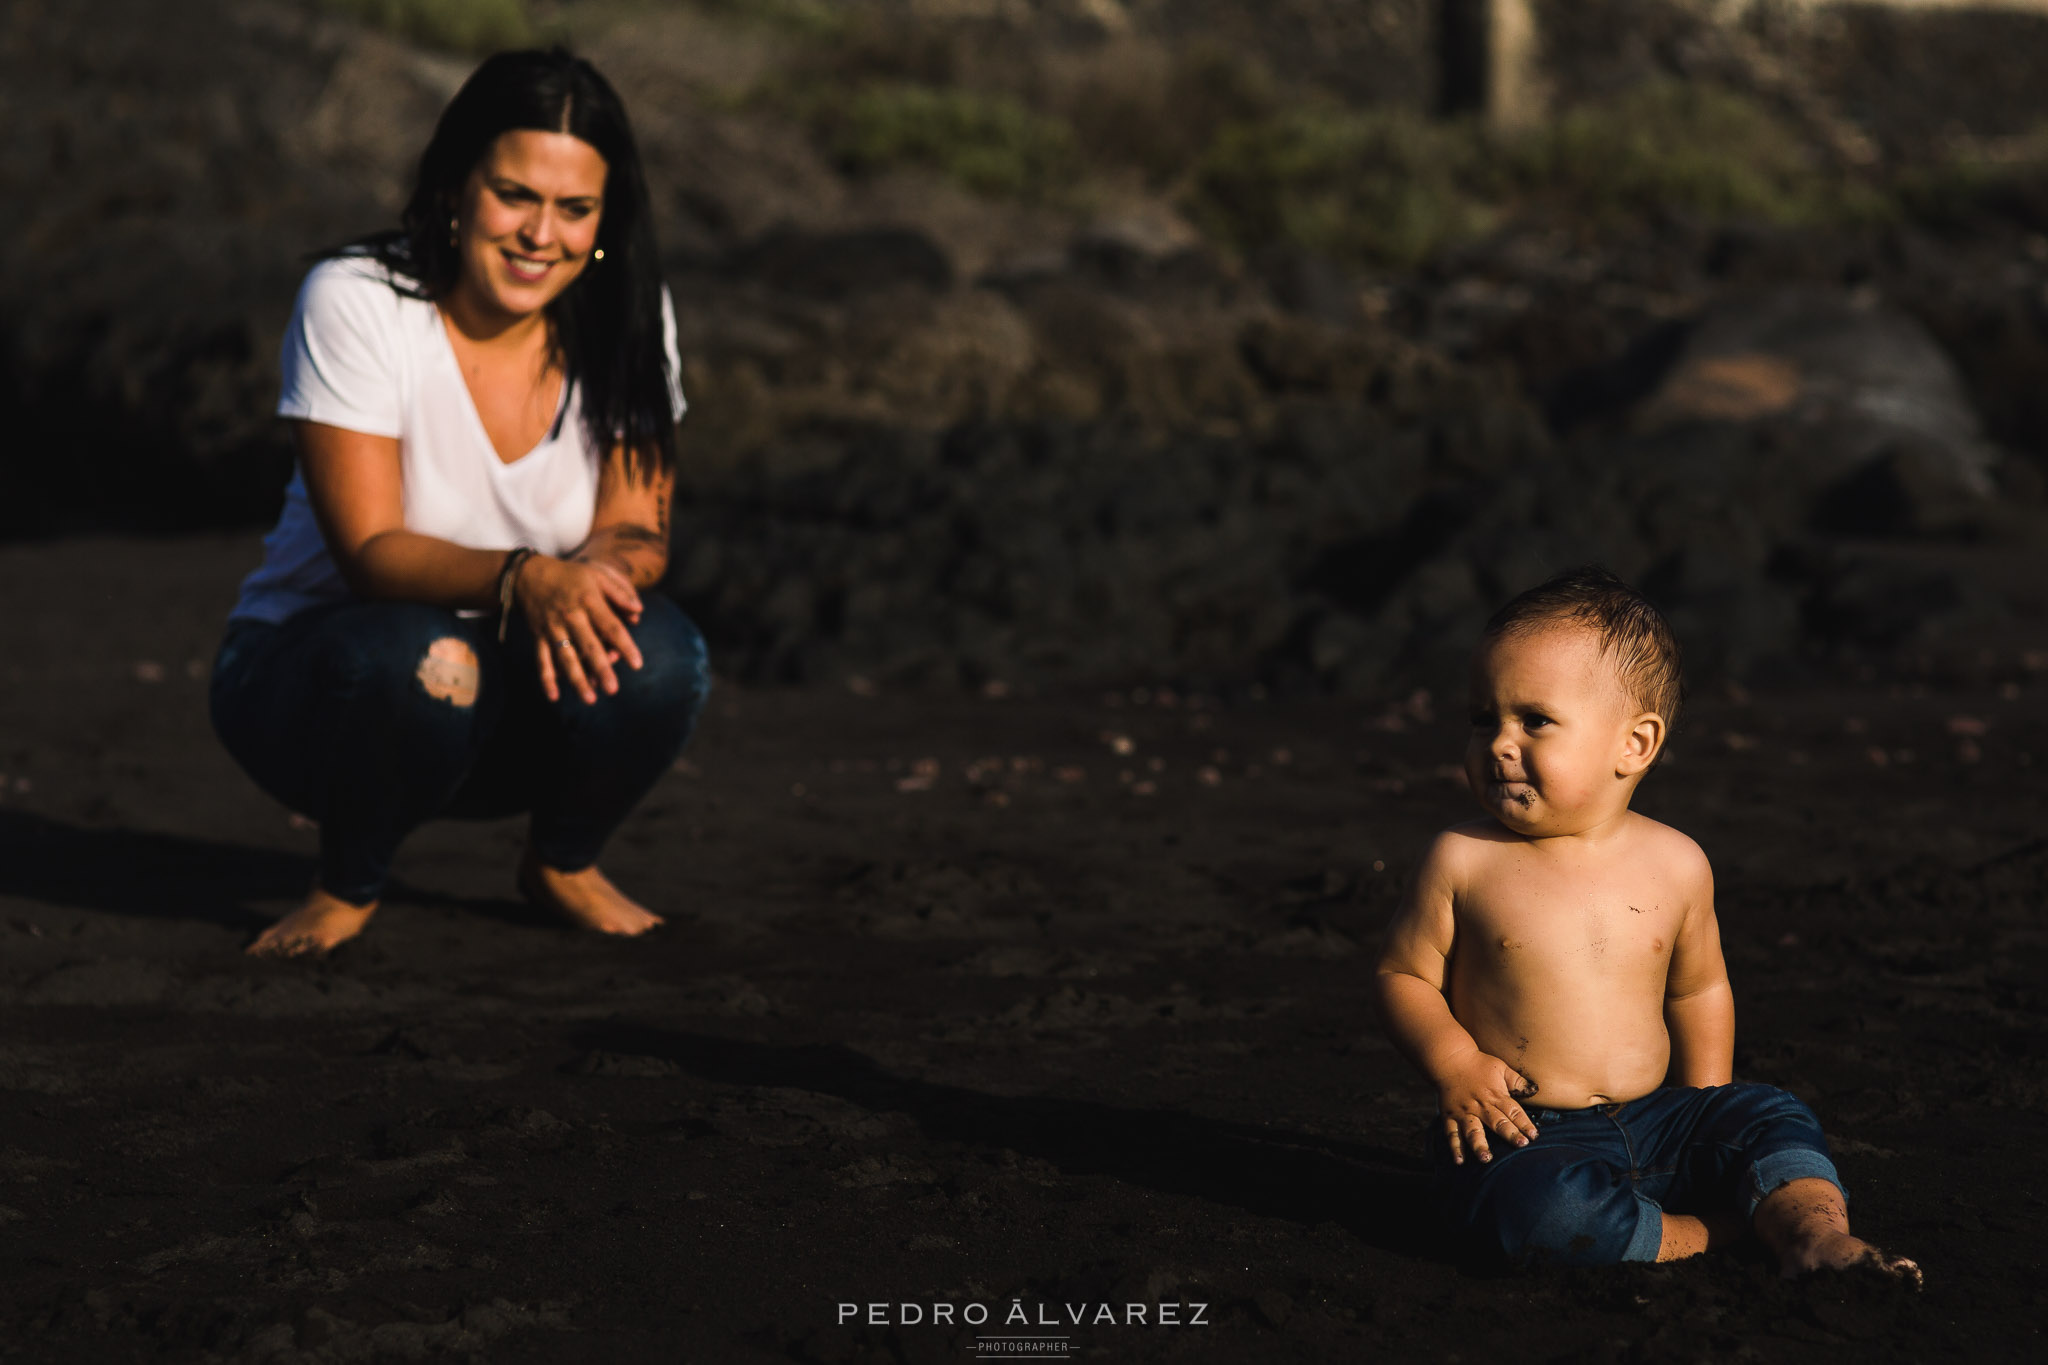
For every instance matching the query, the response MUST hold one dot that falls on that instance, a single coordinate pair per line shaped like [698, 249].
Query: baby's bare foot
[1806, 1223]
[315, 927]
[1833, 1250]
[588, 898]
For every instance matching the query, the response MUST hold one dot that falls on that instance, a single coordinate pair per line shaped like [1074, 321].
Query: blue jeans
[1593, 1187]
[329, 714]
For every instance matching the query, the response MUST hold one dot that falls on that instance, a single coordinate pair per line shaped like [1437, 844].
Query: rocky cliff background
[1190, 342]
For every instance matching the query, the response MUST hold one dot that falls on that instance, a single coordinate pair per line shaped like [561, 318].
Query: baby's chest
[1623, 929]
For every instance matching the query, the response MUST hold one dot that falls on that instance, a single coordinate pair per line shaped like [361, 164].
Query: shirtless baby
[1556, 973]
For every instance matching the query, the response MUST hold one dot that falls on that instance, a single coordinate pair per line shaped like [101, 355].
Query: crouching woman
[454, 615]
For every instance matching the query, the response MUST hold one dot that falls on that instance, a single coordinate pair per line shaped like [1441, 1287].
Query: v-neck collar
[476, 418]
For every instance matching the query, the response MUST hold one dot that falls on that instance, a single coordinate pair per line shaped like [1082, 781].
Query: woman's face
[528, 221]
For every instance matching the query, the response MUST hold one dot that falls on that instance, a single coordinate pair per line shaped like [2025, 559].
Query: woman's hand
[579, 612]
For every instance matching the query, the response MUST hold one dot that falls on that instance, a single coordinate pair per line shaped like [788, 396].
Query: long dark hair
[606, 326]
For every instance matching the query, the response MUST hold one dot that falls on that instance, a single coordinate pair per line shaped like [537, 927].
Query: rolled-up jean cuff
[355, 894]
[1648, 1237]
[1775, 1169]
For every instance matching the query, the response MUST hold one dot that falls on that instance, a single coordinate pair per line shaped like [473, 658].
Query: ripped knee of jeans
[449, 671]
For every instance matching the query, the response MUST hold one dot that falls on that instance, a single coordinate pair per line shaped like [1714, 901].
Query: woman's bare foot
[1806, 1224]
[587, 898]
[315, 927]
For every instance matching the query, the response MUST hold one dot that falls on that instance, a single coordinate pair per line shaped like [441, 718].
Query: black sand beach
[1198, 346]
[1024, 1033]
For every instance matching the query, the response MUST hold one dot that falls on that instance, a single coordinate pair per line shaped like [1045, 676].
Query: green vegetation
[475, 26]
[1392, 188]
[812, 19]
[1162, 127]
[481, 26]
[1253, 161]
[991, 144]
[2009, 178]
[1696, 149]
[1385, 187]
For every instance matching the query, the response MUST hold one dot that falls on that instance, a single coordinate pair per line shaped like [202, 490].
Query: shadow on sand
[1374, 1193]
[176, 876]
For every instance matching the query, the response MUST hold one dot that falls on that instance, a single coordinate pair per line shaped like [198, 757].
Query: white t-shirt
[362, 356]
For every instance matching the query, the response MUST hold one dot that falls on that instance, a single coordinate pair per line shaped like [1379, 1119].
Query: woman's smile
[528, 226]
[527, 269]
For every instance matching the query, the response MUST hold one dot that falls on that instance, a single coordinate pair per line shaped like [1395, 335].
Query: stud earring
[597, 255]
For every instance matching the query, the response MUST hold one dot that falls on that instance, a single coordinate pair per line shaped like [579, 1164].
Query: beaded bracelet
[506, 577]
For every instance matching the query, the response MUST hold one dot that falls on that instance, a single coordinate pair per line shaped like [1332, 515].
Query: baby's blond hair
[1631, 632]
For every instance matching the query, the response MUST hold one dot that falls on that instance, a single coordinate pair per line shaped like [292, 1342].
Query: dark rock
[1300, 355]
[1117, 454]
[839, 265]
[1870, 603]
[1907, 490]
[1310, 285]
[1839, 378]
[1592, 391]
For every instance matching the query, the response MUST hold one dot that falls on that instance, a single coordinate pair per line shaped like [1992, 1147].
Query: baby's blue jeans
[1593, 1186]
[329, 713]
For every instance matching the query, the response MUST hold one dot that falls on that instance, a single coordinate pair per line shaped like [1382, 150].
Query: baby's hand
[1479, 1098]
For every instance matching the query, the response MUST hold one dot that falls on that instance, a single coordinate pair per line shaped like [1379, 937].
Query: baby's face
[1552, 725]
